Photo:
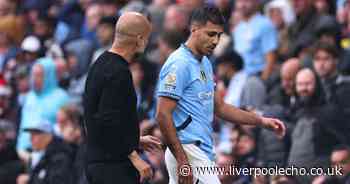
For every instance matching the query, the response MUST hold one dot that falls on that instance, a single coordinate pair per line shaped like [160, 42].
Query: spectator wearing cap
[43, 101]
[31, 48]
[255, 38]
[51, 159]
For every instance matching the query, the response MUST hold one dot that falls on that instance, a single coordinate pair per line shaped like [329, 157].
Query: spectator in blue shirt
[255, 39]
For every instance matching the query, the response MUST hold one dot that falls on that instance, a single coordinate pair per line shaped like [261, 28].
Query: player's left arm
[235, 115]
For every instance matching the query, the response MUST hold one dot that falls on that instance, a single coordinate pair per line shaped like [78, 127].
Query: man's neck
[190, 45]
[127, 54]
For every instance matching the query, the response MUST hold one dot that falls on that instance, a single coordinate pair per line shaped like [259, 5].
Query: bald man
[109, 102]
[305, 83]
[284, 93]
[289, 70]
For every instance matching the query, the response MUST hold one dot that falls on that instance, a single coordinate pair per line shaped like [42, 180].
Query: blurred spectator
[51, 160]
[281, 14]
[82, 51]
[255, 39]
[344, 20]
[226, 160]
[105, 35]
[225, 7]
[44, 28]
[156, 158]
[157, 11]
[42, 102]
[93, 16]
[284, 93]
[13, 27]
[68, 124]
[168, 42]
[7, 50]
[325, 61]
[190, 5]
[302, 33]
[10, 165]
[70, 20]
[7, 7]
[22, 85]
[325, 7]
[242, 90]
[235, 19]
[31, 47]
[137, 6]
[341, 157]
[176, 19]
[11, 35]
[245, 153]
[8, 115]
[144, 85]
[110, 7]
[312, 142]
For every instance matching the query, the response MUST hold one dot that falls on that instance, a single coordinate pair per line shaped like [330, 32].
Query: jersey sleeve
[173, 80]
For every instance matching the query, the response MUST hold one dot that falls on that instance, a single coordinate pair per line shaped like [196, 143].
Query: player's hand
[150, 143]
[275, 125]
[184, 172]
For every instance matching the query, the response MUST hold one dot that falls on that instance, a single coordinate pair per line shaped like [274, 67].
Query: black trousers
[112, 173]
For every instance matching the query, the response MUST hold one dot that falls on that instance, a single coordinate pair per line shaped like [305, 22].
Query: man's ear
[194, 28]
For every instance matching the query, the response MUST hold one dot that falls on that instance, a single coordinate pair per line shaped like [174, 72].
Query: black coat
[56, 166]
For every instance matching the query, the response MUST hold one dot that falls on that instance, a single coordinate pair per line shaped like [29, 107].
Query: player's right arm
[164, 117]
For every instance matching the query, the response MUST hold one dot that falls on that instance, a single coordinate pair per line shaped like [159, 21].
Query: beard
[306, 101]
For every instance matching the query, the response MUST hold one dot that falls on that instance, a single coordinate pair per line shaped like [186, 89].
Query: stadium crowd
[281, 58]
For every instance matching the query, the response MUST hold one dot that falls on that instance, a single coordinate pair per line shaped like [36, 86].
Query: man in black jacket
[51, 159]
[110, 109]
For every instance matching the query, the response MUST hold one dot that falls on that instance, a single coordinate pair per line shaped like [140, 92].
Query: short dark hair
[329, 48]
[109, 20]
[232, 58]
[341, 147]
[207, 13]
[173, 38]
